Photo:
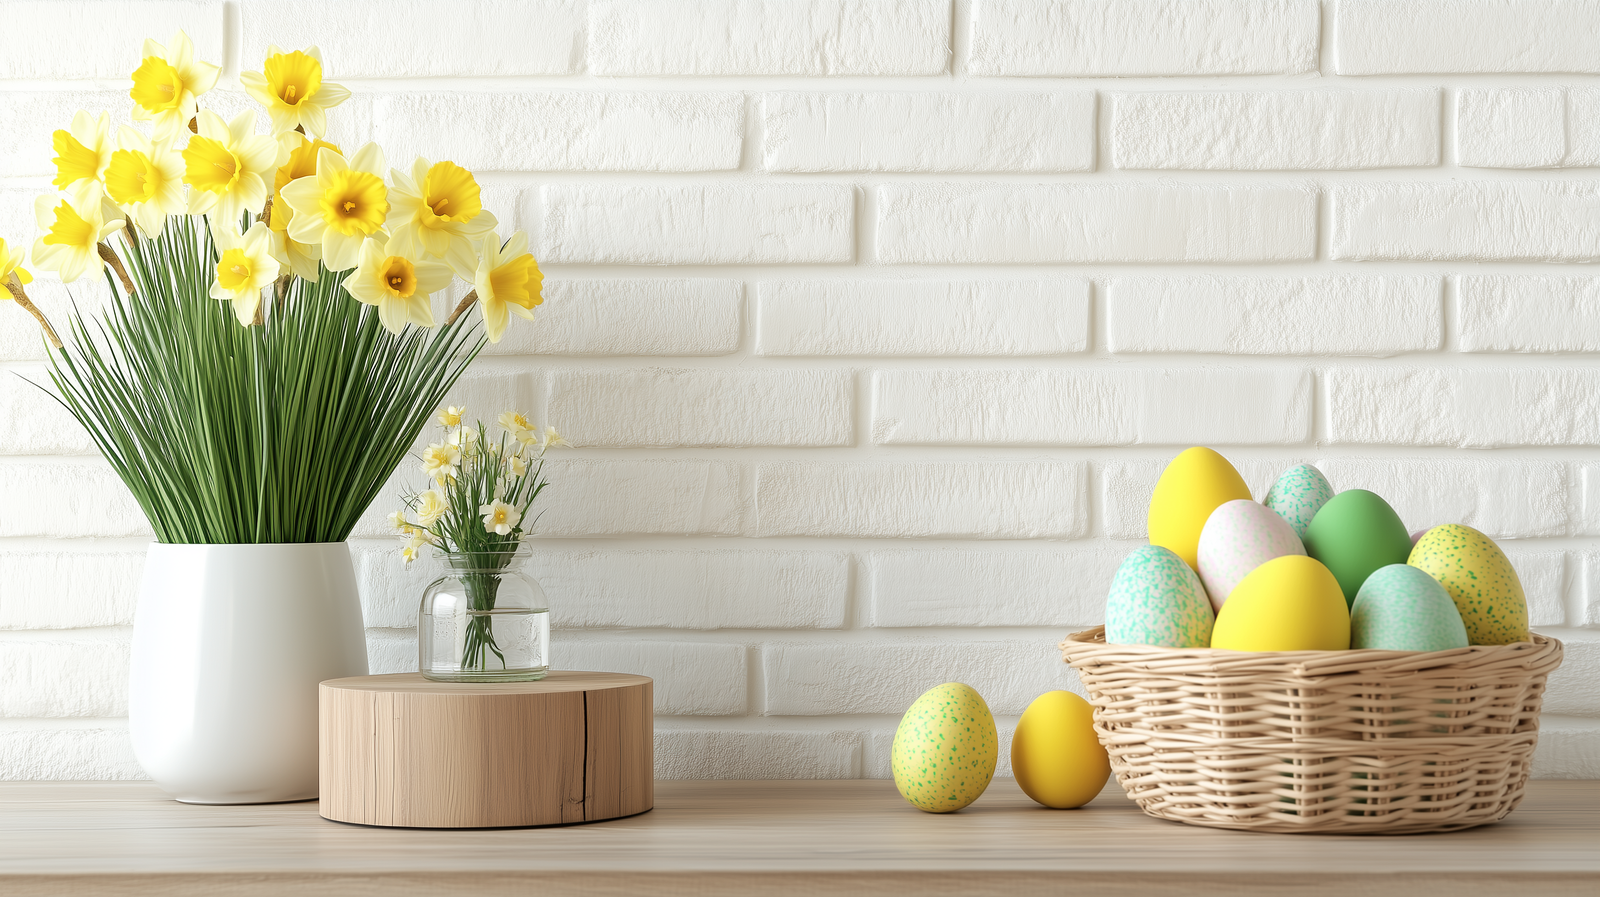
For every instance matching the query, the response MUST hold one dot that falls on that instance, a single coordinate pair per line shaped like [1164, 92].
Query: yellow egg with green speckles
[1480, 580]
[945, 749]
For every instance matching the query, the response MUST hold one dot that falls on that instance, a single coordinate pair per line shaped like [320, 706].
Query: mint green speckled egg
[1401, 608]
[1298, 495]
[1156, 599]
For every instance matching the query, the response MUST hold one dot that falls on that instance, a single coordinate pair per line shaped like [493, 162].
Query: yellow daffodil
[517, 466]
[438, 211]
[516, 426]
[508, 279]
[397, 519]
[399, 285]
[302, 258]
[500, 518]
[292, 89]
[146, 180]
[342, 205]
[228, 165]
[73, 228]
[11, 266]
[441, 461]
[552, 439]
[245, 268]
[431, 506]
[451, 416]
[166, 83]
[83, 152]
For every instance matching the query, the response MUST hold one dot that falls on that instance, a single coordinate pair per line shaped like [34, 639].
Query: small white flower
[552, 439]
[500, 518]
[398, 521]
[517, 466]
[465, 439]
[442, 461]
[431, 505]
[451, 416]
[413, 548]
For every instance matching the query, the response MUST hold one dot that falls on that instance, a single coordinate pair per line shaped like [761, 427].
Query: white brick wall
[1060, 223]
[929, 132]
[769, 37]
[1143, 37]
[1310, 129]
[875, 322]
[1274, 315]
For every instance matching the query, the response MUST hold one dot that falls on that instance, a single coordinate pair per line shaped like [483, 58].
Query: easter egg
[1298, 495]
[1239, 537]
[945, 749]
[1291, 603]
[1191, 487]
[1401, 608]
[1055, 755]
[1480, 580]
[1156, 599]
[1355, 533]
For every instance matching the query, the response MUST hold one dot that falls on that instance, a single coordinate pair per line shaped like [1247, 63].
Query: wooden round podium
[400, 750]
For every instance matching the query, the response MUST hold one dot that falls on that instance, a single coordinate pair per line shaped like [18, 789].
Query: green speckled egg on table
[1156, 599]
[945, 749]
[1401, 608]
[1297, 496]
[1479, 578]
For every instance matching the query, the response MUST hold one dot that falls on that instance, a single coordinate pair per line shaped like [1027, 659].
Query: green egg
[945, 749]
[1354, 534]
[1401, 608]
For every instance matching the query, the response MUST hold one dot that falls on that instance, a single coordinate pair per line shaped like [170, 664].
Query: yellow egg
[1290, 603]
[945, 749]
[1479, 578]
[1191, 487]
[1055, 755]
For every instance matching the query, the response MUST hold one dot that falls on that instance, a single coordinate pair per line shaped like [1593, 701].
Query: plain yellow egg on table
[1055, 755]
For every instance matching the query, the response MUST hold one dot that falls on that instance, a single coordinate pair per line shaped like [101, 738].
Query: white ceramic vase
[229, 643]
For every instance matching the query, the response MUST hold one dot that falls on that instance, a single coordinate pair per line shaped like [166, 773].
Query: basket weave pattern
[1318, 741]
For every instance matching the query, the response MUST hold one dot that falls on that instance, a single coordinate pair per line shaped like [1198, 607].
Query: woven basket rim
[1541, 653]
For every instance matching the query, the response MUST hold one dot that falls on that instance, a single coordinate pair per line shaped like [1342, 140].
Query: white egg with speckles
[1238, 537]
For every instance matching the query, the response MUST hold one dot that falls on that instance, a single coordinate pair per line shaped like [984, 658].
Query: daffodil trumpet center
[355, 202]
[293, 77]
[131, 178]
[157, 86]
[399, 277]
[450, 194]
[70, 229]
[210, 165]
[74, 161]
[235, 270]
[510, 282]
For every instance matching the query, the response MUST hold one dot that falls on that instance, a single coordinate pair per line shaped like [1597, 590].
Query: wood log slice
[401, 750]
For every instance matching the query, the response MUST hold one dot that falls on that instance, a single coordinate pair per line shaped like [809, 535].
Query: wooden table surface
[767, 838]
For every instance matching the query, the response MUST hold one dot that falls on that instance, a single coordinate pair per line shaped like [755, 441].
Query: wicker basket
[1318, 741]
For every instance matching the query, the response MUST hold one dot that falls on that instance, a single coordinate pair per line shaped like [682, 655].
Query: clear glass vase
[484, 621]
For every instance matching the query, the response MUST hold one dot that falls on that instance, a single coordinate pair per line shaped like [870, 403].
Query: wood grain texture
[765, 838]
[400, 750]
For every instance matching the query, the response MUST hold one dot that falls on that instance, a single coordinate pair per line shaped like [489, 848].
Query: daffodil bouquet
[477, 511]
[269, 351]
